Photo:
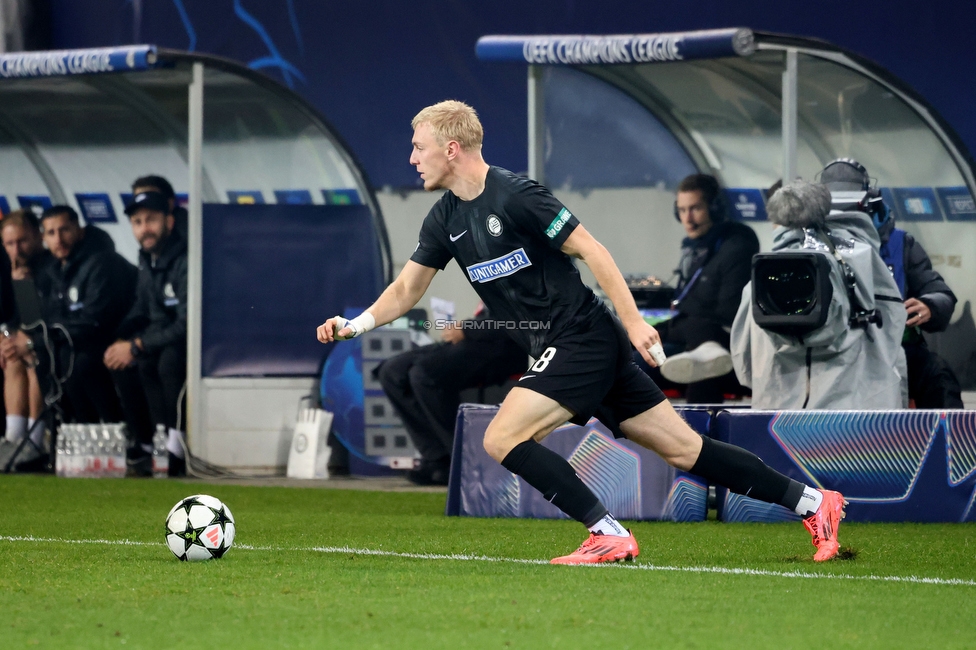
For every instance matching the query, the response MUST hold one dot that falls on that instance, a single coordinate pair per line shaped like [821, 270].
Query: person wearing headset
[929, 301]
[715, 264]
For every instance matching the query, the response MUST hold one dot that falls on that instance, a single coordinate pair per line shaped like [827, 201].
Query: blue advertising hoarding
[746, 204]
[957, 203]
[293, 197]
[633, 482]
[96, 208]
[911, 465]
[915, 204]
[34, 201]
[245, 197]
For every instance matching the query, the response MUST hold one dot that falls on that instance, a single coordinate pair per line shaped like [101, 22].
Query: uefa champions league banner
[912, 465]
[633, 482]
[617, 49]
[71, 62]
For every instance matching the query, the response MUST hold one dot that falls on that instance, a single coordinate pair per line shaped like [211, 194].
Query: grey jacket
[837, 366]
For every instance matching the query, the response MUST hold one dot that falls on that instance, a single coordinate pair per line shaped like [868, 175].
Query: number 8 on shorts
[543, 361]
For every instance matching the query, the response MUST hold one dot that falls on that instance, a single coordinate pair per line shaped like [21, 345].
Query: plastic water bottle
[60, 457]
[73, 460]
[160, 456]
[65, 451]
[121, 442]
[115, 451]
[76, 462]
[93, 464]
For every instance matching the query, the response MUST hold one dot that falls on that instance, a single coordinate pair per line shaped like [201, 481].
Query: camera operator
[152, 337]
[929, 302]
[85, 292]
[820, 324]
[716, 257]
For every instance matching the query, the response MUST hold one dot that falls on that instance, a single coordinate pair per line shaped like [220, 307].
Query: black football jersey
[507, 242]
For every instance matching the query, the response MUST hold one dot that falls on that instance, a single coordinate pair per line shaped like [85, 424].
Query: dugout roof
[749, 107]
[78, 126]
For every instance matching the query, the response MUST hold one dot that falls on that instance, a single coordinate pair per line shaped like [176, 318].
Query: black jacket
[724, 255]
[158, 316]
[90, 292]
[923, 282]
[8, 309]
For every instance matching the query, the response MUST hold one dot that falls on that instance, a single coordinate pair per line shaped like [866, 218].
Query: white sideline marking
[460, 557]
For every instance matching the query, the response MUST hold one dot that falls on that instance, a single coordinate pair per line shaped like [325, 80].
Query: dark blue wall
[370, 66]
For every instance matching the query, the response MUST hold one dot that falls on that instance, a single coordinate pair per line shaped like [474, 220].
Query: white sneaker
[27, 459]
[704, 362]
[27, 454]
[7, 449]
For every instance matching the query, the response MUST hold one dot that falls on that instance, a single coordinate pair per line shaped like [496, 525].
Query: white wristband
[359, 325]
[657, 353]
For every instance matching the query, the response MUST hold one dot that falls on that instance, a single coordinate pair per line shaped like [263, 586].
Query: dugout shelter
[280, 214]
[616, 121]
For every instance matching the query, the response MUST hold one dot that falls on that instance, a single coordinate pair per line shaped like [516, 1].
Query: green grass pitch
[66, 580]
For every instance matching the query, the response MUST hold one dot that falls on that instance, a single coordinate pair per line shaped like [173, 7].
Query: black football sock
[551, 474]
[743, 472]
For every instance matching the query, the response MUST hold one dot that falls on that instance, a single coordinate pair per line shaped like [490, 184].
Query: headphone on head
[718, 207]
[872, 203]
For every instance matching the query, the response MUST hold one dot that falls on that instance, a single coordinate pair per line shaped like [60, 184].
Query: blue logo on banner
[96, 208]
[916, 204]
[957, 203]
[293, 197]
[746, 204]
[249, 197]
[499, 267]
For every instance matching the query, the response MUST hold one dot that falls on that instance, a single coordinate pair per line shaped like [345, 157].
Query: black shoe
[431, 473]
[139, 462]
[177, 466]
[338, 470]
[30, 460]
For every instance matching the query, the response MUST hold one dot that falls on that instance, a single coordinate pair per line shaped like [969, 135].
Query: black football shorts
[591, 372]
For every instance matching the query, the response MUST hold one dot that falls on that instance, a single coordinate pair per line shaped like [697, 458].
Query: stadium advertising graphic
[911, 465]
[633, 482]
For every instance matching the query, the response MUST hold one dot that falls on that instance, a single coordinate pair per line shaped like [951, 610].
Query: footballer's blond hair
[452, 120]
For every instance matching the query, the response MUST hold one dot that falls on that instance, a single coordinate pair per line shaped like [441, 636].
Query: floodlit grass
[282, 593]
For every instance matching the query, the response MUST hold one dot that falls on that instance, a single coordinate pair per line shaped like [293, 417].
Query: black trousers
[424, 386]
[150, 390]
[931, 382]
[685, 333]
[163, 375]
[89, 391]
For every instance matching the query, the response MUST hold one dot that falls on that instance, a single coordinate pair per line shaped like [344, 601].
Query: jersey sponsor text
[558, 223]
[499, 267]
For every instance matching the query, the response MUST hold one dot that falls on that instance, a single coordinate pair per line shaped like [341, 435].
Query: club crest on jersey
[494, 225]
[499, 267]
